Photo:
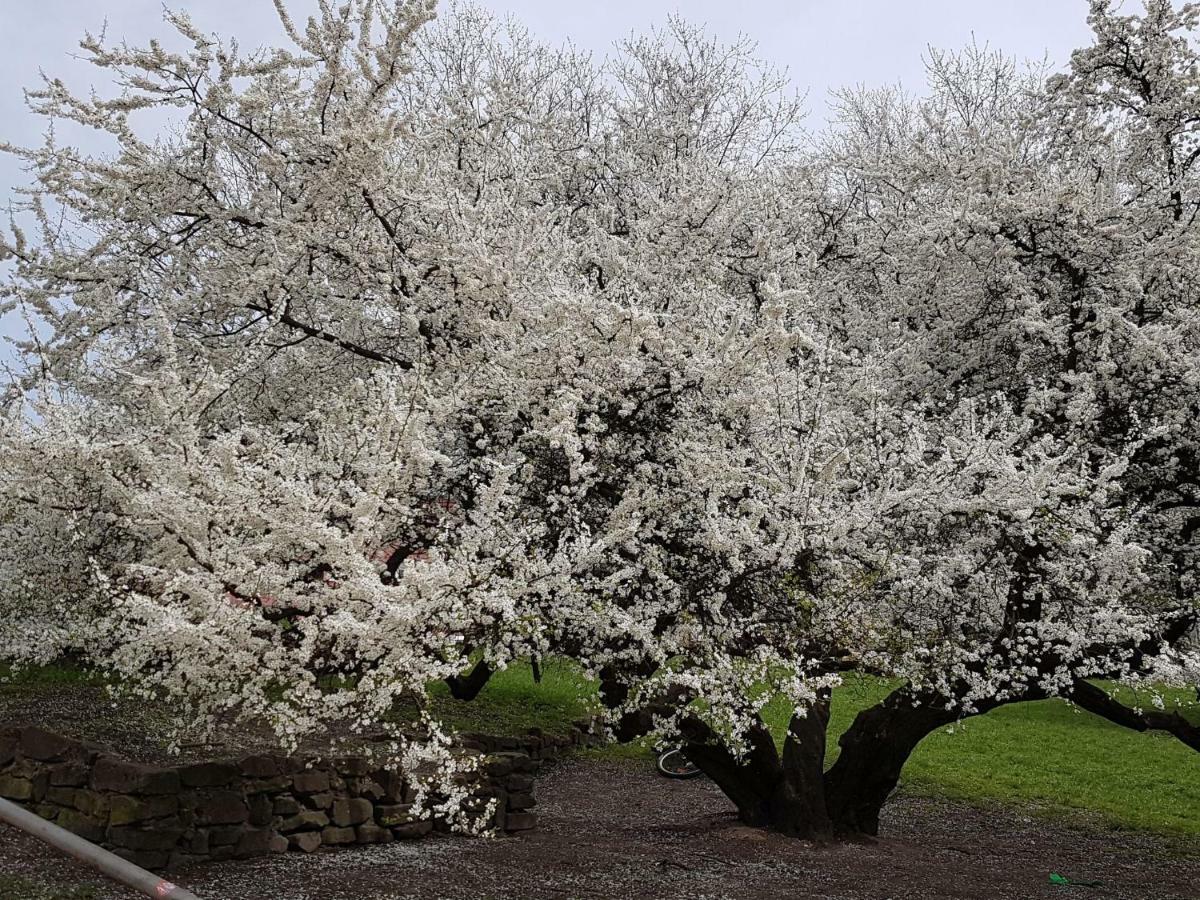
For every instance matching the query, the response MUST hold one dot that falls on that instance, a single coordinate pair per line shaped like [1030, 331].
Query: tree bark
[873, 751]
[783, 793]
[467, 687]
[804, 803]
[1096, 700]
[746, 782]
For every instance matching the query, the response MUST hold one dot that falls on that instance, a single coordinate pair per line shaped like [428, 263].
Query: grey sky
[823, 43]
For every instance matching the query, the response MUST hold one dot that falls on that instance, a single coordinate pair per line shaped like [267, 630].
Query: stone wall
[160, 817]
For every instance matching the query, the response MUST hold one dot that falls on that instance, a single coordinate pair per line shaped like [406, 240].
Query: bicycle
[673, 763]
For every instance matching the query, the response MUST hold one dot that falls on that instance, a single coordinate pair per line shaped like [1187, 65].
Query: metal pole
[109, 863]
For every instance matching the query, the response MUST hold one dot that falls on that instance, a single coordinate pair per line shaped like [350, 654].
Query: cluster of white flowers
[420, 343]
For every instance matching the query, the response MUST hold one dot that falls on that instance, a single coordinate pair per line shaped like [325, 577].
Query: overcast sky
[824, 44]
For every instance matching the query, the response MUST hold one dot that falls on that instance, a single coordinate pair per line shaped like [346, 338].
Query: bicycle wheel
[675, 764]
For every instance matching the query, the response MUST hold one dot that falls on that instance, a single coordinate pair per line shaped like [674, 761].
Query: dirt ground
[612, 828]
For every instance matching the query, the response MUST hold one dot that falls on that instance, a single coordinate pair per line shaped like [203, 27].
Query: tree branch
[1096, 700]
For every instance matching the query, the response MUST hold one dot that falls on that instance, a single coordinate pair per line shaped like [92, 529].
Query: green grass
[1053, 755]
[512, 702]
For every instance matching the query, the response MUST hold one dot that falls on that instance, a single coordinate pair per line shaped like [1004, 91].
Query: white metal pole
[109, 863]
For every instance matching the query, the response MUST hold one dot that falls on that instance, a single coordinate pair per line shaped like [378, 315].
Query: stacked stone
[162, 817]
[510, 774]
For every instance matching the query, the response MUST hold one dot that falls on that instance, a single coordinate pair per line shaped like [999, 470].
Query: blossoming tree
[418, 348]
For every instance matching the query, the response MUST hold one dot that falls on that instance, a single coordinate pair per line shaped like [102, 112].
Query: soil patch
[612, 828]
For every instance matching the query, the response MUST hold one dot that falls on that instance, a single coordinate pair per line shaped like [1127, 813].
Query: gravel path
[614, 829]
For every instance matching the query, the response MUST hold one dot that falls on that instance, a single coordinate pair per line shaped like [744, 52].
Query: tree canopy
[417, 347]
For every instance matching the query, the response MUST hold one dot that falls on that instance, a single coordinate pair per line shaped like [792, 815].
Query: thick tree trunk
[873, 751]
[747, 782]
[783, 793]
[791, 793]
[803, 791]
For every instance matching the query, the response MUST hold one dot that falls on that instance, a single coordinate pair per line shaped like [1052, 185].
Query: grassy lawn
[512, 702]
[1054, 755]
[1045, 755]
